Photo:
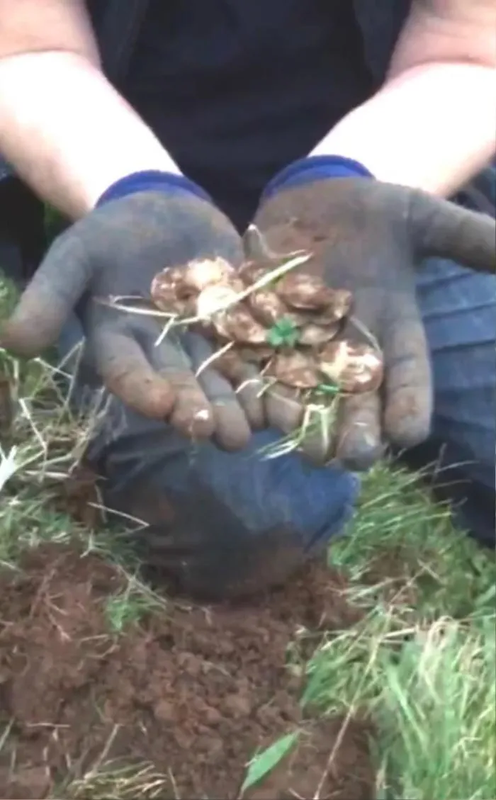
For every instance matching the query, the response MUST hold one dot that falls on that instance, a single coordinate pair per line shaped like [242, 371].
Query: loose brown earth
[195, 692]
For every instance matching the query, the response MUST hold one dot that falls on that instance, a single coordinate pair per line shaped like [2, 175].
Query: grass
[42, 448]
[421, 663]
[122, 782]
[130, 604]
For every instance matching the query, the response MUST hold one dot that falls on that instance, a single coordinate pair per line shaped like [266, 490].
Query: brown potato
[203, 272]
[294, 369]
[256, 354]
[341, 303]
[304, 291]
[354, 367]
[209, 289]
[250, 272]
[167, 290]
[237, 324]
[213, 299]
[230, 364]
[170, 298]
[266, 306]
[315, 335]
[173, 285]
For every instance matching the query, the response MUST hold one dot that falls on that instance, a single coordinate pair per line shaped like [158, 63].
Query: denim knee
[459, 313]
[252, 493]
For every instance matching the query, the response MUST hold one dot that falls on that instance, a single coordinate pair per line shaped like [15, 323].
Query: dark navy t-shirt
[237, 89]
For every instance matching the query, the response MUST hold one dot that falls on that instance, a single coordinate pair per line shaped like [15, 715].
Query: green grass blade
[264, 762]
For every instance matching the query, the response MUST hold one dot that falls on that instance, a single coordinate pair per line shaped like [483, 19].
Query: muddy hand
[115, 252]
[371, 238]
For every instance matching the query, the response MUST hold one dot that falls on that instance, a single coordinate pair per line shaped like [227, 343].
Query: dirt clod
[78, 496]
[194, 692]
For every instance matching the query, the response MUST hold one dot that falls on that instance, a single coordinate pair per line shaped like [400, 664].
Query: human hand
[116, 251]
[370, 238]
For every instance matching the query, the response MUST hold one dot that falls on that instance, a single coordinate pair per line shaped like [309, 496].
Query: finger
[50, 297]
[358, 442]
[283, 409]
[408, 383]
[249, 391]
[318, 431]
[442, 228]
[155, 381]
[192, 413]
[248, 384]
[232, 430]
[127, 373]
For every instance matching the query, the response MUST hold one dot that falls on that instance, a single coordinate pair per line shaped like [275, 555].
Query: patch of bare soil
[195, 692]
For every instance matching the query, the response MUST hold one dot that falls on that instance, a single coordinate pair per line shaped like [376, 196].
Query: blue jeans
[459, 312]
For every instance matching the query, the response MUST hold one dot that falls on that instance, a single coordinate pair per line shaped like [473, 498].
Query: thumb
[48, 300]
[441, 228]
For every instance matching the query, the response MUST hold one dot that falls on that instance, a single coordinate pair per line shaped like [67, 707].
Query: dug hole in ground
[193, 693]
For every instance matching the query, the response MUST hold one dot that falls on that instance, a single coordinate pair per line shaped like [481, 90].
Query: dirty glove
[143, 223]
[370, 237]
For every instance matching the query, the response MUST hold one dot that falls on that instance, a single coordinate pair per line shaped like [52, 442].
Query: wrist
[407, 137]
[315, 168]
[151, 181]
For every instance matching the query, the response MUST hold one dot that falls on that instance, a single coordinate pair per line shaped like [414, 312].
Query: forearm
[67, 132]
[431, 127]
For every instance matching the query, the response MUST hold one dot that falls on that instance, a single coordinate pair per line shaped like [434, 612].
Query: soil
[78, 496]
[195, 692]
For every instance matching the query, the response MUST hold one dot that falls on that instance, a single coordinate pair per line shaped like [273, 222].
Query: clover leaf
[283, 333]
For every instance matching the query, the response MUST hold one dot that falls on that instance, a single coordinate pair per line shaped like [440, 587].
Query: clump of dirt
[78, 496]
[332, 761]
[195, 692]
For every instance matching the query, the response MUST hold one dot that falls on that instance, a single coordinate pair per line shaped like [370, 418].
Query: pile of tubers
[287, 322]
